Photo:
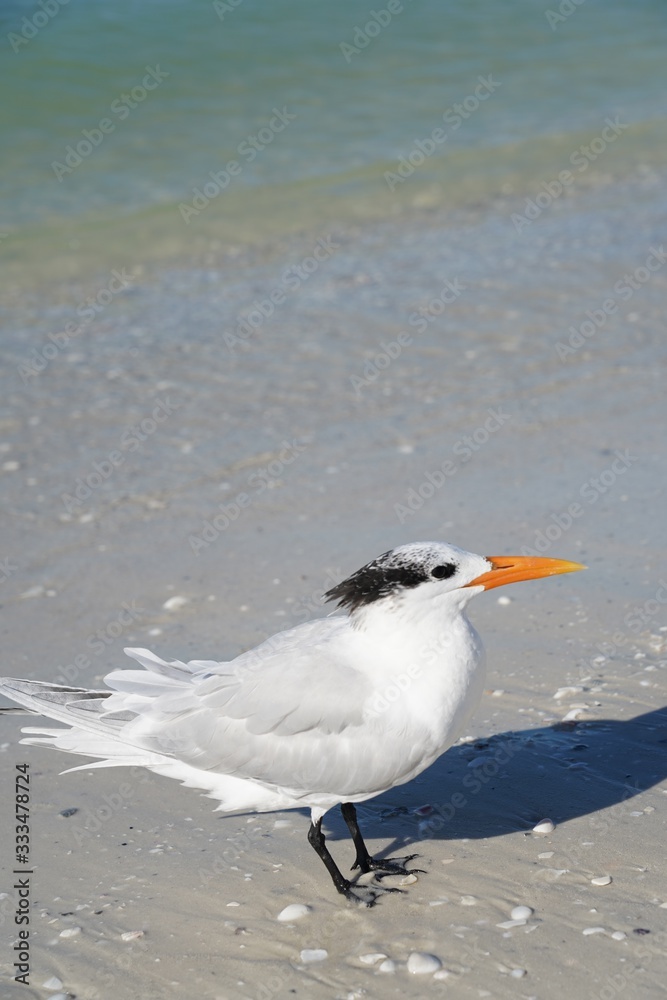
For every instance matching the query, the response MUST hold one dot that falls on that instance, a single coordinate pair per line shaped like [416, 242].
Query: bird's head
[420, 573]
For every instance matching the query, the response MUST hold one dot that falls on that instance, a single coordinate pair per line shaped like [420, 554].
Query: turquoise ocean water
[117, 114]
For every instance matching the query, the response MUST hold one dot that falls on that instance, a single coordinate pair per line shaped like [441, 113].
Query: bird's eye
[443, 572]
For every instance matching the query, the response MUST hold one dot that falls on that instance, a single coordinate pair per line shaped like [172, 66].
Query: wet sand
[245, 478]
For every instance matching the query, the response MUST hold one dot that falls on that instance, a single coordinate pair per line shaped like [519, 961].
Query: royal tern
[331, 712]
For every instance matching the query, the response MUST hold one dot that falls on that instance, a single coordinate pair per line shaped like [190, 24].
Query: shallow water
[548, 87]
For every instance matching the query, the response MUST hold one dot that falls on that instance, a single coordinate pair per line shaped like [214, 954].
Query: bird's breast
[428, 693]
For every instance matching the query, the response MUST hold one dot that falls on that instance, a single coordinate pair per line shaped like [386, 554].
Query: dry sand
[202, 892]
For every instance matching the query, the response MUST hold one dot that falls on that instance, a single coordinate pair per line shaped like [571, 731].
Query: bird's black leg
[364, 861]
[365, 894]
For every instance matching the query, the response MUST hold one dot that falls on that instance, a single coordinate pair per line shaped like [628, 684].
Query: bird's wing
[297, 681]
[286, 713]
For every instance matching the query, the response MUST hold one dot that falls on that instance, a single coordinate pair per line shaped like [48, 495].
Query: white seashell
[314, 954]
[409, 879]
[295, 911]
[468, 900]
[504, 599]
[420, 963]
[53, 984]
[593, 930]
[601, 880]
[175, 603]
[70, 932]
[521, 913]
[509, 924]
[131, 935]
[387, 966]
[619, 936]
[372, 958]
[566, 692]
[518, 973]
[544, 826]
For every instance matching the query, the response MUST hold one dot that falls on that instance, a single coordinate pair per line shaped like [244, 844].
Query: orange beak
[513, 569]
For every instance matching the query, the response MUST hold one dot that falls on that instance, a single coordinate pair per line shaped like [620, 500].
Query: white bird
[331, 712]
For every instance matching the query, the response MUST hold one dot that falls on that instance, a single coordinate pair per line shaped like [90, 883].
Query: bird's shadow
[511, 781]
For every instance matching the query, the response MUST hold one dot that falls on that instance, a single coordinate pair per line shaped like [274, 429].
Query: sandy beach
[170, 490]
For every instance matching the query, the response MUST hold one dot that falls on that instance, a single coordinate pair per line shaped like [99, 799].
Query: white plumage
[334, 711]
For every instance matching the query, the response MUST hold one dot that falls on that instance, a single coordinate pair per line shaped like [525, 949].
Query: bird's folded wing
[307, 693]
[299, 680]
[267, 716]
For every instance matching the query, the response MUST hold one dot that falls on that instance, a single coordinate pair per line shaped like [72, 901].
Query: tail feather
[175, 669]
[100, 724]
[66, 704]
[115, 752]
[143, 683]
[98, 720]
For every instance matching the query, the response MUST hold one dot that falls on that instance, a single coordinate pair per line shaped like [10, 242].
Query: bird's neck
[427, 629]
